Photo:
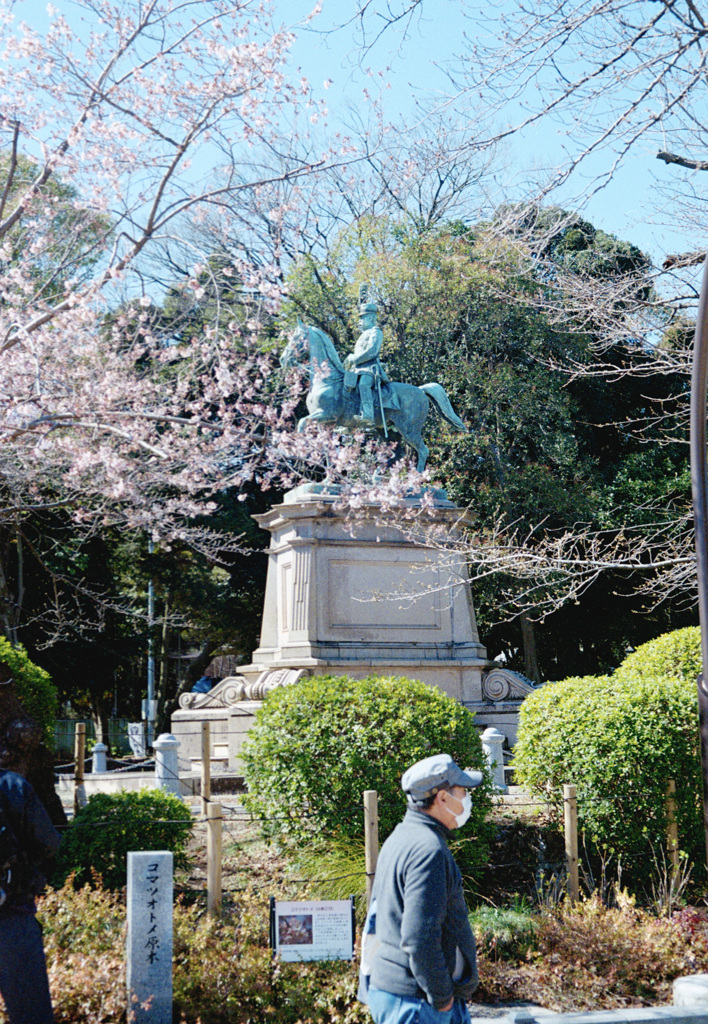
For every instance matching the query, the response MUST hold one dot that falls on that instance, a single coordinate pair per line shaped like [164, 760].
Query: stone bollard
[493, 742]
[166, 747]
[98, 763]
[691, 990]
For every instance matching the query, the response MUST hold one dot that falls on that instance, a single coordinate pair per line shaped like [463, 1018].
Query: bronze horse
[327, 399]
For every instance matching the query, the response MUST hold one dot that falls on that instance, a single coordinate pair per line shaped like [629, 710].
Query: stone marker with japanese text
[149, 938]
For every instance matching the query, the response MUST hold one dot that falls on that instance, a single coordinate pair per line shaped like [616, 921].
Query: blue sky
[407, 64]
[413, 65]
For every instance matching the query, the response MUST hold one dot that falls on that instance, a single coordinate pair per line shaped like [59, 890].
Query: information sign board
[312, 929]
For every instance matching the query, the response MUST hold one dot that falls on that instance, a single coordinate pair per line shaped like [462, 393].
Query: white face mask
[464, 814]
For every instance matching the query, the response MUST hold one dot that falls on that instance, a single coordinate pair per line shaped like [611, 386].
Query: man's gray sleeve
[424, 908]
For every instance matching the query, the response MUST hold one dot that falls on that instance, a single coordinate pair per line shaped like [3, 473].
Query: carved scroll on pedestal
[233, 689]
[502, 684]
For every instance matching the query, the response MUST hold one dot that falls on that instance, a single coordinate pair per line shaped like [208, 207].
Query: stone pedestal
[363, 595]
[366, 596]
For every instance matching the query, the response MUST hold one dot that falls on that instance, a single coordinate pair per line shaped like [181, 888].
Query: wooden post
[371, 838]
[206, 767]
[214, 820]
[79, 758]
[570, 808]
[672, 843]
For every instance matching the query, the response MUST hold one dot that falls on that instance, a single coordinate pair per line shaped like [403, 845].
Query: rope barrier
[238, 816]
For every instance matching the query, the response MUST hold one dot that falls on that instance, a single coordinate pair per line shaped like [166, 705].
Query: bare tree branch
[682, 161]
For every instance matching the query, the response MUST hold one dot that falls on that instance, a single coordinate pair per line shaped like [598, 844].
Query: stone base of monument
[360, 595]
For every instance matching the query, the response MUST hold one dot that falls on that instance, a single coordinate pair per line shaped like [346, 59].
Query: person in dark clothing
[22, 747]
[423, 964]
[23, 970]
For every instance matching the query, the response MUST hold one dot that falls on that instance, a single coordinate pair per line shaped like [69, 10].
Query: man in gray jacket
[424, 965]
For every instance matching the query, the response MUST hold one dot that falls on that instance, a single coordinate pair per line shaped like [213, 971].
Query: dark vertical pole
[699, 485]
[271, 925]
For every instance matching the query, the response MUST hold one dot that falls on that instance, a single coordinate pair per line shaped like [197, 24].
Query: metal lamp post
[150, 702]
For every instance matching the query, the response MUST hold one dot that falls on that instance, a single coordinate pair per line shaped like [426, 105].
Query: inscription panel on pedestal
[371, 594]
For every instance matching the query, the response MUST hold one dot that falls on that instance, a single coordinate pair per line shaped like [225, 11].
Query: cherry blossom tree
[123, 126]
[149, 112]
[124, 133]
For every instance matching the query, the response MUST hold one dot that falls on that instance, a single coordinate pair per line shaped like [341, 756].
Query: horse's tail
[439, 395]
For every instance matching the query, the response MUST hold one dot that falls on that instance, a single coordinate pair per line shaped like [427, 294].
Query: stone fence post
[493, 744]
[98, 764]
[166, 748]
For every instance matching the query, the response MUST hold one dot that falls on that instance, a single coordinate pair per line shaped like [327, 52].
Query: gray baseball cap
[426, 777]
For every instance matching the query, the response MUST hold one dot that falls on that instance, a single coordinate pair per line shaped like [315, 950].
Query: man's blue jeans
[387, 1008]
[23, 970]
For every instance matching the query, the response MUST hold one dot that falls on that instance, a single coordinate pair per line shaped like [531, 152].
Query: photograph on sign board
[295, 930]
[312, 930]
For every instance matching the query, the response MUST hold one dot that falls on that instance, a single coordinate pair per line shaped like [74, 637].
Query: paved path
[481, 1012]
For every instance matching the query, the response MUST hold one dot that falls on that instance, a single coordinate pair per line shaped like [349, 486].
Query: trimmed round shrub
[318, 744]
[113, 824]
[34, 686]
[618, 740]
[675, 655]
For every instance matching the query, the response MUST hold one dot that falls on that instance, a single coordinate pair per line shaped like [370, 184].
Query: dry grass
[248, 863]
[592, 957]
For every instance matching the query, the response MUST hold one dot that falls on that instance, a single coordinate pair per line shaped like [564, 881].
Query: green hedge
[320, 743]
[34, 687]
[675, 655]
[619, 740]
[113, 824]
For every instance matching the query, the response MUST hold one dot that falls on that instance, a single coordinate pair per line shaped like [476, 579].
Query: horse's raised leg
[321, 416]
